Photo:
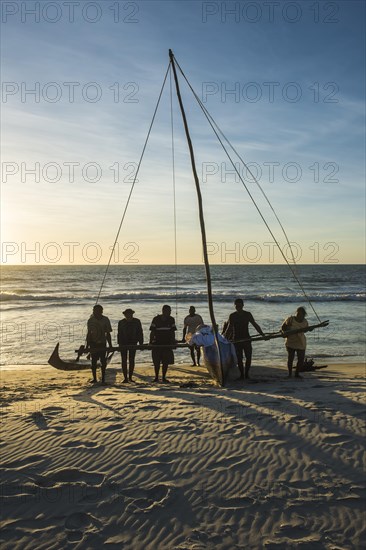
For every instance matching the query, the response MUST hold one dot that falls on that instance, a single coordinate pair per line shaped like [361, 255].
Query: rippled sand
[269, 463]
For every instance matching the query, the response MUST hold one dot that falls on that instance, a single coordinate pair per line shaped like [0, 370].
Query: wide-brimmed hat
[128, 310]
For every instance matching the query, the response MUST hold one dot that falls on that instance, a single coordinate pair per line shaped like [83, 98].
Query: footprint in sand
[75, 536]
[78, 523]
[79, 520]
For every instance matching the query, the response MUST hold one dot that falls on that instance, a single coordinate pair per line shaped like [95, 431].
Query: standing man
[191, 322]
[238, 329]
[295, 343]
[99, 333]
[163, 332]
[129, 332]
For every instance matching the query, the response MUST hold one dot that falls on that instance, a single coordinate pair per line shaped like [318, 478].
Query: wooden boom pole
[200, 209]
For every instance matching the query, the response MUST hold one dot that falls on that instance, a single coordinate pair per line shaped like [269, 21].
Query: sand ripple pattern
[146, 467]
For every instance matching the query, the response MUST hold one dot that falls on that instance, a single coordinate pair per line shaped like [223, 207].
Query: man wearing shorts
[191, 322]
[99, 333]
[237, 328]
[163, 332]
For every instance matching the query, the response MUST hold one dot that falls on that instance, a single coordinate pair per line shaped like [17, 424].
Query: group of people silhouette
[162, 339]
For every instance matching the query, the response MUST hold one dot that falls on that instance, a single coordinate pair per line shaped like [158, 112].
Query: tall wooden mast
[200, 209]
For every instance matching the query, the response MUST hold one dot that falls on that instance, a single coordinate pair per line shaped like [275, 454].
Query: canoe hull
[56, 362]
[219, 371]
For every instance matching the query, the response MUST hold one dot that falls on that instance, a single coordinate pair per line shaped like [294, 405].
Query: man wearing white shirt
[191, 322]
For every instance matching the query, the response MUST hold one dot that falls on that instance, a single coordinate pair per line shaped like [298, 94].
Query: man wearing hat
[129, 333]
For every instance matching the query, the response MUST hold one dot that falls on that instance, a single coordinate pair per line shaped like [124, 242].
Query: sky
[285, 82]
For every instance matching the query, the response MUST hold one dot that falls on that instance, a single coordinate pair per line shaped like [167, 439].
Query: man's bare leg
[165, 370]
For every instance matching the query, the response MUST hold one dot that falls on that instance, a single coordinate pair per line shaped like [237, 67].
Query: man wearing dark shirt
[99, 333]
[129, 332]
[237, 328]
[162, 332]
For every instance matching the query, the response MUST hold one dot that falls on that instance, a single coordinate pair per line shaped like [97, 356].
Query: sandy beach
[267, 463]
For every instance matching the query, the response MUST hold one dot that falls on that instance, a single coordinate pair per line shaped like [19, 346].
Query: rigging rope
[214, 126]
[132, 186]
[216, 129]
[174, 194]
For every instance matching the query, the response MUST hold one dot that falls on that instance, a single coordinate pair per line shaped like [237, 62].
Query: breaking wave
[21, 296]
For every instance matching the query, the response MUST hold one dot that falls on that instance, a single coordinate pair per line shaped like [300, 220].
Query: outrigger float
[218, 357]
[218, 374]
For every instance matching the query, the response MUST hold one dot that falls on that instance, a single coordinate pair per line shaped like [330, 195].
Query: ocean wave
[341, 297]
[182, 296]
[15, 296]
[334, 354]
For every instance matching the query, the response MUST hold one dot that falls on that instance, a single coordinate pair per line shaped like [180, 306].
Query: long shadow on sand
[87, 395]
[257, 402]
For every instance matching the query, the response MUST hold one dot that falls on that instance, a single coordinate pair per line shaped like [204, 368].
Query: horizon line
[178, 265]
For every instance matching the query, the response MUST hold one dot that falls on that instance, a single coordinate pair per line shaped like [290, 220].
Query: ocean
[43, 305]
